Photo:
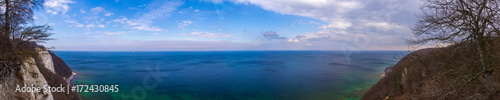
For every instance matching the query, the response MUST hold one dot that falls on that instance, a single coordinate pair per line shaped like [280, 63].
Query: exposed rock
[62, 76]
[46, 70]
[56, 80]
[30, 76]
[68, 80]
[61, 68]
[33, 76]
[46, 59]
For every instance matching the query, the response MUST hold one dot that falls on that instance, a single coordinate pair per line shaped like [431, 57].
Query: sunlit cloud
[185, 23]
[56, 6]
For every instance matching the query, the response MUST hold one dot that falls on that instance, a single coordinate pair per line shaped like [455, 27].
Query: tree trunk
[485, 63]
[7, 18]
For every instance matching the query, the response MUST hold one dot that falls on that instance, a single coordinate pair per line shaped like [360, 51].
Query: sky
[213, 25]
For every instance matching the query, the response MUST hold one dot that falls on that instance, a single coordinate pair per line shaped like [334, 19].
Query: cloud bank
[354, 24]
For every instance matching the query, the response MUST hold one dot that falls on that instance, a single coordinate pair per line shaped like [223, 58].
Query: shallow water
[229, 75]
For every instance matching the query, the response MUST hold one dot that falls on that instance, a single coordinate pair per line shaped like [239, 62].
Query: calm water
[229, 75]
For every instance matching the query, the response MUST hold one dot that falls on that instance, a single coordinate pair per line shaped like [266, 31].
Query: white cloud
[348, 21]
[82, 11]
[74, 23]
[161, 9]
[384, 26]
[55, 6]
[101, 26]
[115, 33]
[91, 20]
[208, 35]
[147, 28]
[90, 26]
[155, 33]
[69, 21]
[136, 24]
[157, 9]
[293, 40]
[197, 10]
[108, 14]
[185, 23]
[97, 10]
[338, 24]
[319, 9]
[80, 25]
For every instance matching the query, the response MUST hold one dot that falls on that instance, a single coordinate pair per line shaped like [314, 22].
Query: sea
[228, 75]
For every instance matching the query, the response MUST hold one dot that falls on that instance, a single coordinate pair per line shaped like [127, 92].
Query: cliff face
[438, 73]
[47, 69]
[61, 69]
[29, 75]
[45, 59]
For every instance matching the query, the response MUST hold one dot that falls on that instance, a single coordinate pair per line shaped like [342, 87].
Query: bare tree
[15, 19]
[17, 29]
[461, 22]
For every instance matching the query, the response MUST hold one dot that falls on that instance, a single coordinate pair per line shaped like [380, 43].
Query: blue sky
[192, 25]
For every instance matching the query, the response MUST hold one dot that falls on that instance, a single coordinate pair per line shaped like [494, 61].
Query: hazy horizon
[214, 50]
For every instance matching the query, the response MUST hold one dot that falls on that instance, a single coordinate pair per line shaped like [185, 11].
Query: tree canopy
[469, 22]
[18, 33]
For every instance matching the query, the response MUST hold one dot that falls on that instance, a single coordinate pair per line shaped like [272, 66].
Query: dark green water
[230, 75]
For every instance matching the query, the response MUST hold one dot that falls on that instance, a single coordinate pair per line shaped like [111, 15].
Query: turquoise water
[230, 75]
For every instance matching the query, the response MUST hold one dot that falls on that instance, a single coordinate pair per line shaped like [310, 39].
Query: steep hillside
[46, 69]
[56, 74]
[450, 73]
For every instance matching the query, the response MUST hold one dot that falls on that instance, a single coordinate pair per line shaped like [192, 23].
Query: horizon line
[205, 50]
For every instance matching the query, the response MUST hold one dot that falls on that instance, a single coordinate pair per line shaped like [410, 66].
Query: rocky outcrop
[54, 64]
[46, 70]
[46, 59]
[60, 75]
[61, 68]
[29, 74]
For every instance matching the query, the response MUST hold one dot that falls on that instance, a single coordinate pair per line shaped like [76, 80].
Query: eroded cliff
[46, 70]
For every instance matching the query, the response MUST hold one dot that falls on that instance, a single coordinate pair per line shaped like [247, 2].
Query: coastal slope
[450, 73]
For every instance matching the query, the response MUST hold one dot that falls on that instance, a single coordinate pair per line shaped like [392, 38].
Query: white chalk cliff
[30, 74]
[46, 59]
